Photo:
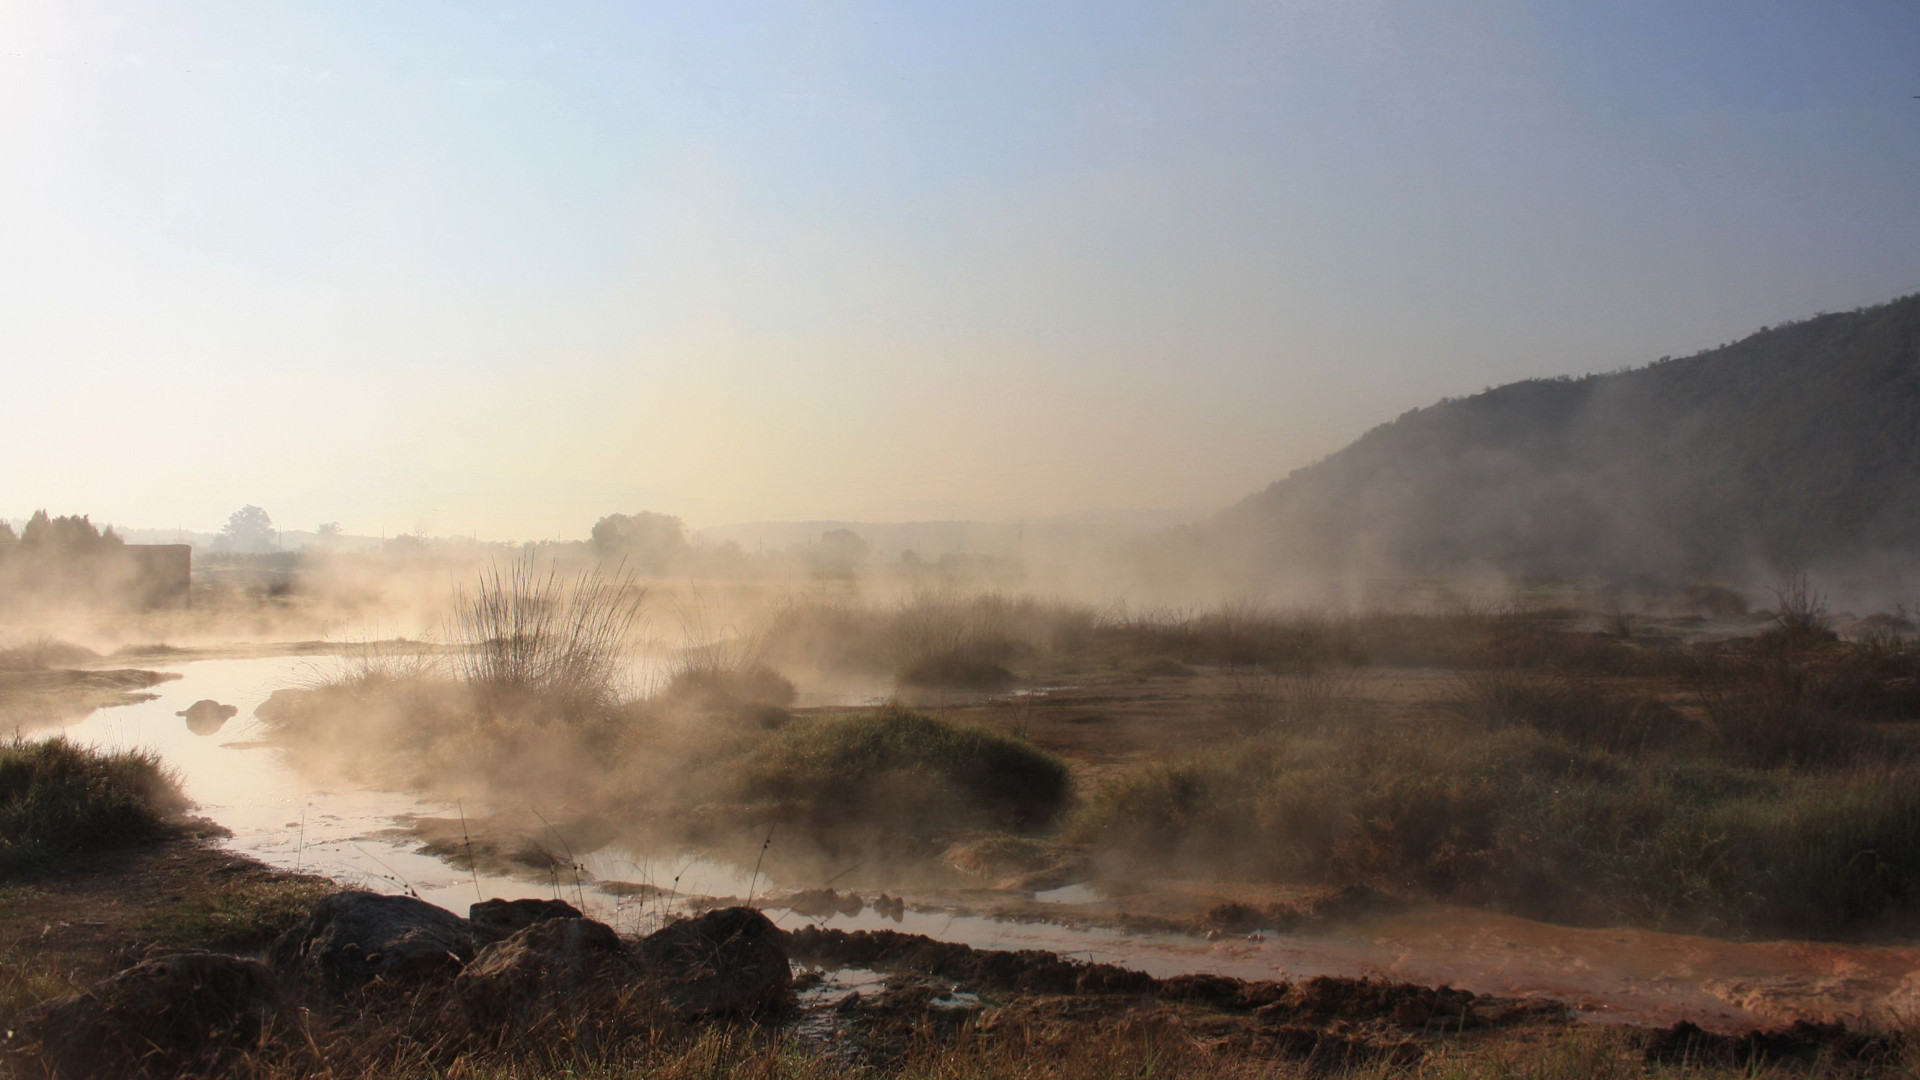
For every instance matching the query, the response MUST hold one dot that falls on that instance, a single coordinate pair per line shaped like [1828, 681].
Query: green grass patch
[1523, 821]
[58, 798]
[241, 916]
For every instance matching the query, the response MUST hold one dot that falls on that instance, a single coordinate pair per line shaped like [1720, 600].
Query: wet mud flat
[872, 993]
[862, 999]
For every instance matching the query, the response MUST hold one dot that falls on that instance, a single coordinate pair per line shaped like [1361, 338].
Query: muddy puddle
[348, 833]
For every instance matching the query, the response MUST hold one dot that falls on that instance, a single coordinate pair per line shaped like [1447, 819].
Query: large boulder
[542, 966]
[497, 920]
[727, 962]
[164, 1017]
[350, 939]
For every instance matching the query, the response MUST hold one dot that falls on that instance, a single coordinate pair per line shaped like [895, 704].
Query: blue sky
[503, 268]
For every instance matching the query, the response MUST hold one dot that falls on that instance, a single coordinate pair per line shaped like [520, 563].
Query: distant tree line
[68, 561]
[72, 534]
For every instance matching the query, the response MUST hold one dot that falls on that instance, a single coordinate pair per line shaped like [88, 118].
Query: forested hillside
[1797, 446]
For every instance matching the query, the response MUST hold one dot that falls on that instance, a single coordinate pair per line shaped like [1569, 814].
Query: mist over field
[1306, 539]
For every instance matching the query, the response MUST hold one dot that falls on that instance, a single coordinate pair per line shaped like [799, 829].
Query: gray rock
[350, 939]
[571, 963]
[727, 962]
[496, 920]
[162, 1017]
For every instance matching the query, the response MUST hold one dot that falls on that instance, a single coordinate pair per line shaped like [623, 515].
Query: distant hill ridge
[1796, 446]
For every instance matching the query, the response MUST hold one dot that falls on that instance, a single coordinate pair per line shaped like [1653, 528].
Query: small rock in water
[206, 716]
[819, 903]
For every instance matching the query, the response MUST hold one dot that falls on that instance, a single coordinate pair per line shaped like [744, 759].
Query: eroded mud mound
[1322, 1020]
[1030, 971]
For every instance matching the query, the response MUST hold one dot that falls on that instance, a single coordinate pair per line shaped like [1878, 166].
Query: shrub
[976, 667]
[58, 798]
[1800, 617]
[1772, 710]
[902, 772]
[756, 693]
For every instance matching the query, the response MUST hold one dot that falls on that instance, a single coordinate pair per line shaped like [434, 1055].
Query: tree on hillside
[652, 543]
[249, 529]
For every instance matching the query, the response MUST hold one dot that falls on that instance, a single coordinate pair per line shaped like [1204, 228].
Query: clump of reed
[535, 643]
[1800, 616]
[58, 798]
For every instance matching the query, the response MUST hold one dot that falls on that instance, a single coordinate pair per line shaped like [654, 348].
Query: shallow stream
[284, 819]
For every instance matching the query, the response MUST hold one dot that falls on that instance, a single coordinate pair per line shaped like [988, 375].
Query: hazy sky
[504, 268]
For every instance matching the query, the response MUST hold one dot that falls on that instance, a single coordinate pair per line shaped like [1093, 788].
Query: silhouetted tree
[249, 529]
[69, 533]
[7, 536]
[652, 543]
[841, 551]
[38, 531]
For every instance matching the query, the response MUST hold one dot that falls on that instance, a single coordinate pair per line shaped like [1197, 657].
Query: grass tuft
[58, 798]
[536, 642]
